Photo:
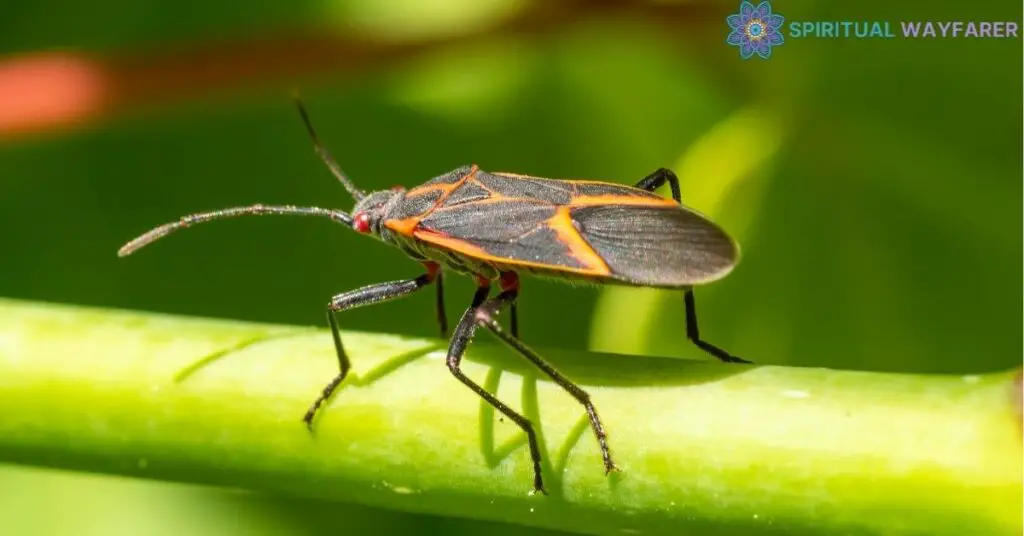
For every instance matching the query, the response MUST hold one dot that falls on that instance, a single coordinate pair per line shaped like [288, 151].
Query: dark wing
[658, 246]
[584, 227]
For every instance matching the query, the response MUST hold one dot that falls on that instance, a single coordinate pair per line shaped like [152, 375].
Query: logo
[755, 30]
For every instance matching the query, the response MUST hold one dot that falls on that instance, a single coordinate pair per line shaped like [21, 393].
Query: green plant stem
[737, 449]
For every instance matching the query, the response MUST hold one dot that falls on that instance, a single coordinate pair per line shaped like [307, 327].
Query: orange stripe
[519, 176]
[404, 226]
[573, 181]
[444, 187]
[561, 224]
[578, 201]
[407, 226]
[476, 182]
[631, 195]
[454, 244]
[468, 176]
[627, 189]
[606, 183]
[469, 250]
[612, 199]
[496, 198]
[421, 190]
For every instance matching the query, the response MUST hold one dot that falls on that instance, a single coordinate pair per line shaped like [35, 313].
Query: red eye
[361, 223]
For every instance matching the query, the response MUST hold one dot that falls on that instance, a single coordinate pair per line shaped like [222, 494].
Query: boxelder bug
[493, 225]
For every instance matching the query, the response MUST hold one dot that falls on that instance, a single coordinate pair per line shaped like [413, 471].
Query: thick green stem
[703, 446]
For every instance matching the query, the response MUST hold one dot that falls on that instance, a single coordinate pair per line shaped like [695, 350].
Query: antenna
[254, 210]
[324, 155]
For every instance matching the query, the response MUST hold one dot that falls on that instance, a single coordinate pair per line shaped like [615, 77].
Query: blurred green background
[875, 187]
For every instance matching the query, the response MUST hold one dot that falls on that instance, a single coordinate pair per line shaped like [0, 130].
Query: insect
[491, 226]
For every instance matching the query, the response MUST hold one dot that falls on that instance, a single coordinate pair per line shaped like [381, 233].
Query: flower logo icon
[755, 30]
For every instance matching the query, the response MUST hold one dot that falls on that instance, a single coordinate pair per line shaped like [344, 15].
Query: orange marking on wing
[468, 176]
[404, 226]
[577, 201]
[421, 190]
[465, 248]
[572, 181]
[515, 175]
[445, 188]
[482, 186]
[561, 224]
[454, 244]
[497, 198]
[612, 199]
[408, 225]
[627, 189]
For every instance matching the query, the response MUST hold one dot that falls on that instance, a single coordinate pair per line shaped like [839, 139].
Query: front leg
[350, 300]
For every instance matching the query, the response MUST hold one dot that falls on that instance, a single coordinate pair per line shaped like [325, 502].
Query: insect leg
[693, 333]
[460, 340]
[510, 281]
[442, 318]
[486, 316]
[514, 319]
[654, 181]
[651, 183]
[350, 300]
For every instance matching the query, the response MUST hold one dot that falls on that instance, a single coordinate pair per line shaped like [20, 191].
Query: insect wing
[584, 227]
[657, 246]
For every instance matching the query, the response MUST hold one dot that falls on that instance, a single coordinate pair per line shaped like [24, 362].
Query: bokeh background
[875, 185]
